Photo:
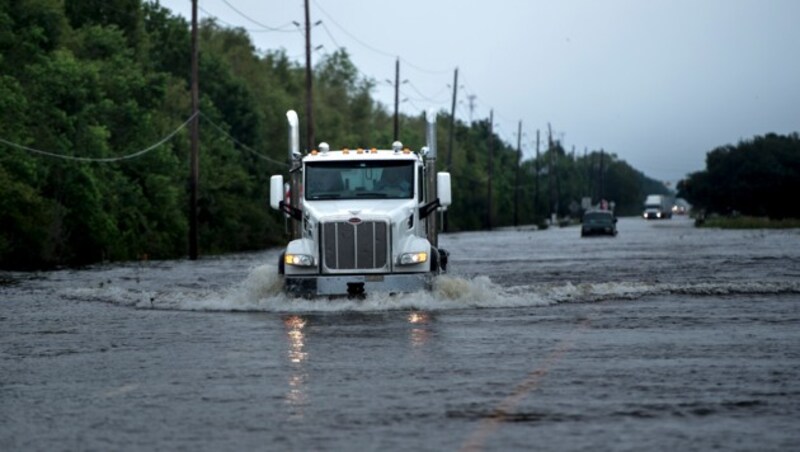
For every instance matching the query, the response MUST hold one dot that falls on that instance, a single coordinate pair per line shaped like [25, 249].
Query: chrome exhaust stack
[295, 175]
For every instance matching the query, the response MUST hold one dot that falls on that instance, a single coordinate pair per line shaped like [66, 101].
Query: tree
[751, 178]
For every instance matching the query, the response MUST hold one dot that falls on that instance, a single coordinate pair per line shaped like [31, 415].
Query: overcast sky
[657, 82]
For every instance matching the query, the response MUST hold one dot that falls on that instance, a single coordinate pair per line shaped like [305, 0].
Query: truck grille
[362, 246]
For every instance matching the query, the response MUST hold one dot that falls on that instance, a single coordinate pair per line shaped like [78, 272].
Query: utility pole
[516, 183]
[471, 98]
[309, 92]
[450, 139]
[194, 160]
[602, 176]
[536, 186]
[589, 183]
[550, 170]
[556, 168]
[491, 170]
[396, 99]
[452, 121]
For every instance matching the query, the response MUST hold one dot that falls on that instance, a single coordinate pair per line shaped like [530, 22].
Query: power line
[328, 32]
[375, 49]
[210, 15]
[352, 36]
[282, 28]
[427, 71]
[429, 98]
[242, 145]
[99, 160]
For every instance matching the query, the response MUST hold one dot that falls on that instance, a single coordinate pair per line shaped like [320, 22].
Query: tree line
[103, 79]
[757, 177]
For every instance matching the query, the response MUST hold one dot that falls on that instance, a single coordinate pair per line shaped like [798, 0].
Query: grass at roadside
[744, 222]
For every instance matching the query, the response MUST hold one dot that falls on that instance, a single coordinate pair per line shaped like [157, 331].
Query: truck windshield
[359, 180]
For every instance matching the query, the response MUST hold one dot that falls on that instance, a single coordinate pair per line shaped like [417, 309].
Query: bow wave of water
[262, 290]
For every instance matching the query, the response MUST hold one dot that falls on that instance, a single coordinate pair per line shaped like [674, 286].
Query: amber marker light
[299, 260]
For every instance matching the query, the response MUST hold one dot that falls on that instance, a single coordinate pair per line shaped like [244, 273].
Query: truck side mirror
[275, 191]
[443, 189]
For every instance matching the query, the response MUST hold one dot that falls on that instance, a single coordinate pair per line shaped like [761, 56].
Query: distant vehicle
[599, 222]
[681, 207]
[658, 207]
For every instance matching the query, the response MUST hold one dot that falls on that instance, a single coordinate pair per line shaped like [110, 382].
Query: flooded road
[664, 337]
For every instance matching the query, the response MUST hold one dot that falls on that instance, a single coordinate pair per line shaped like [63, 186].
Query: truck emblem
[354, 220]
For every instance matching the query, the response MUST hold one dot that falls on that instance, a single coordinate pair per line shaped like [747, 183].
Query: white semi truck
[658, 207]
[362, 220]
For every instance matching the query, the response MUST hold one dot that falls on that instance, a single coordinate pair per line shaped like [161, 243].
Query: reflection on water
[294, 329]
[420, 334]
[417, 317]
[296, 396]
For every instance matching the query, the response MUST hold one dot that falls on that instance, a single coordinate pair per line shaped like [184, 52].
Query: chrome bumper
[356, 285]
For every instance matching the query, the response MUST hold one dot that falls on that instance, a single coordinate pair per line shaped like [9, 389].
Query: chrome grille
[361, 246]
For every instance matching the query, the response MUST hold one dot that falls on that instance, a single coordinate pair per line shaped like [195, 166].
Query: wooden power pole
[397, 99]
[536, 186]
[449, 167]
[309, 82]
[602, 177]
[550, 171]
[452, 122]
[516, 183]
[491, 171]
[194, 160]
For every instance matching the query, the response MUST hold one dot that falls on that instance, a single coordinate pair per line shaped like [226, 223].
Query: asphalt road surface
[665, 337]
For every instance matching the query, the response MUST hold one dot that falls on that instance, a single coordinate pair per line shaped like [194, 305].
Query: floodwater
[665, 337]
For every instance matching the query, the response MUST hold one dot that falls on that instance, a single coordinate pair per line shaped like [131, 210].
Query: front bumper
[356, 285]
[598, 231]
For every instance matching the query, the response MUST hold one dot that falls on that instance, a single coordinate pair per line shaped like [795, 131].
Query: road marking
[499, 414]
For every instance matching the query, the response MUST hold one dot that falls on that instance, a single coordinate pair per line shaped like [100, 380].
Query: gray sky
[658, 82]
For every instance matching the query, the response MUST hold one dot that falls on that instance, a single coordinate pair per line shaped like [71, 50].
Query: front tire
[435, 261]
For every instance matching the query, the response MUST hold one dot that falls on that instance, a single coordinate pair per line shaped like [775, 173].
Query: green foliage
[753, 178]
[104, 79]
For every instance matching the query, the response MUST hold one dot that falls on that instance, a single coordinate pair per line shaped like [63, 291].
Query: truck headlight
[413, 258]
[299, 260]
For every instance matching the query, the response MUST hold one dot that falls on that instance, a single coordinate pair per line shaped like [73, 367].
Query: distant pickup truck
[658, 207]
[599, 222]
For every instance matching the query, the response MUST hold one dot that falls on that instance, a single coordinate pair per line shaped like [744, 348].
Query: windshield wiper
[327, 196]
[371, 195]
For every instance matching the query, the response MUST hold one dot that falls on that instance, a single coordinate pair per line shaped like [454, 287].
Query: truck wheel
[439, 260]
[434, 261]
[443, 257]
[281, 263]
